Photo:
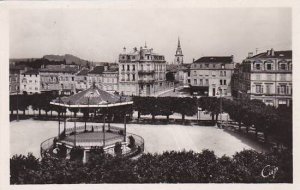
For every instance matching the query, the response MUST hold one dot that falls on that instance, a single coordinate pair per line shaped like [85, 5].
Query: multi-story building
[60, 78]
[14, 78]
[211, 76]
[267, 77]
[30, 82]
[141, 72]
[110, 77]
[81, 80]
[95, 77]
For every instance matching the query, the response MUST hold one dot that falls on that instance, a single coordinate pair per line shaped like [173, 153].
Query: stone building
[267, 77]
[59, 78]
[210, 76]
[30, 82]
[14, 78]
[81, 80]
[95, 77]
[110, 77]
[141, 72]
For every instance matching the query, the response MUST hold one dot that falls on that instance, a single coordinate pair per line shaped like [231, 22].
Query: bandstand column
[125, 127]
[65, 121]
[74, 129]
[103, 130]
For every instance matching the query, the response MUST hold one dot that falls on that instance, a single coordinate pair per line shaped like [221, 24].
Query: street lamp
[220, 91]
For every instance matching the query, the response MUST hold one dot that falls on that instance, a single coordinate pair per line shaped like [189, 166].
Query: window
[282, 89]
[123, 67]
[221, 82]
[283, 66]
[268, 88]
[224, 82]
[269, 66]
[201, 82]
[221, 73]
[195, 73]
[206, 82]
[259, 89]
[224, 73]
[206, 65]
[225, 91]
[200, 65]
[195, 81]
[223, 66]
[214, 66]
[128, 77]
[133, 77]
[257, 66]
[128, 67]
[72, 78]
[133, 67]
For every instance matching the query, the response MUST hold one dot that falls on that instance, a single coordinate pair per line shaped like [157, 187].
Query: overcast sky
[100, 35]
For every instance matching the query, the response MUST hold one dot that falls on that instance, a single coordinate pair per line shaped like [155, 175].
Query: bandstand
[96, 105]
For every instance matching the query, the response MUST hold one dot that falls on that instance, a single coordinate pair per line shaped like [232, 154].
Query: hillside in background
[67, 57]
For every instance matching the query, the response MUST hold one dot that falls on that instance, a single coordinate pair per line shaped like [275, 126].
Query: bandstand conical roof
[92, 97]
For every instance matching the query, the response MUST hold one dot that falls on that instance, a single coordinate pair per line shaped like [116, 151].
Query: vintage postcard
[167, 95]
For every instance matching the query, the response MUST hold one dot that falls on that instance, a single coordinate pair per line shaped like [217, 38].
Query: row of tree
[249, 113]
[170, 167]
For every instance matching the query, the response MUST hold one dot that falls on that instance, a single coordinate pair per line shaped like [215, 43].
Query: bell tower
[178, 56]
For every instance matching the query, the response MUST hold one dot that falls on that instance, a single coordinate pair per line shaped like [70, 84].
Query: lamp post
[17, 105]
[220, 91]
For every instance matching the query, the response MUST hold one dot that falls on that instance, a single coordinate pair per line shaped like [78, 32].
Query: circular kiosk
[96, 105]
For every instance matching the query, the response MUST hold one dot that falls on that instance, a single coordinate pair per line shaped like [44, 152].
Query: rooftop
[215, 59]
[287, 54]
[31, 72]
[97, 70]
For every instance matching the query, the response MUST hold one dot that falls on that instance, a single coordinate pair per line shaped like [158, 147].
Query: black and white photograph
[128, 92]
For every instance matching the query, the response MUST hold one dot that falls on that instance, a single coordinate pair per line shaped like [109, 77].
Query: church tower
[178, 56]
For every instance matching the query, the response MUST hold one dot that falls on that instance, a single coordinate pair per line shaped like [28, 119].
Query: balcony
[146, 81]
[146, 72]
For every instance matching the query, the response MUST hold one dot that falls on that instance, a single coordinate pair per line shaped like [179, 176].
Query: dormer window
[283, 66]
[257, 66]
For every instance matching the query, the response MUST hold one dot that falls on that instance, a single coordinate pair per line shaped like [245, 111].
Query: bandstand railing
[47, 145]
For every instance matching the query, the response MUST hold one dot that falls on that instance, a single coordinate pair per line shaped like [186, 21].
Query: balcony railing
[146, 81]
[146, 71]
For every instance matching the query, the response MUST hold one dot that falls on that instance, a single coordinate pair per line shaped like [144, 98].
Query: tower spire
[178, 42]
[145, 44]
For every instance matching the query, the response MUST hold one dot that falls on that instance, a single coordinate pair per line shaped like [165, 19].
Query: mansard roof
[215, 59]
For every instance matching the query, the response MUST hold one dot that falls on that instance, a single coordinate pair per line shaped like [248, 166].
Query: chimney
[268, 52]
[135, 49]
[124, 49]
[250, 54]
[272, 53]
[193, 60]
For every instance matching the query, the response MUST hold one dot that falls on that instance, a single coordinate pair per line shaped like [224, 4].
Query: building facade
[14, 78]
[211, 76]
[81, 80]
[267, 77]
[30, 82]
[111, 79]
[60, 78]
[141, 72]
